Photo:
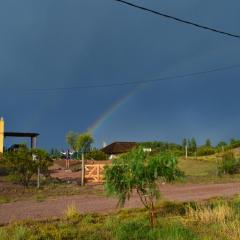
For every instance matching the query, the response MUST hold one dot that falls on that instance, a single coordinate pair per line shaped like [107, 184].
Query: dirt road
[89, 204]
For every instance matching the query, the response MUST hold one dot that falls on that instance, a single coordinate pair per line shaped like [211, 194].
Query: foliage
[205, 151]
[228, 164]
[96, 155]
[71, 139]
[55, 153]
[158, 146]
[23, 166]
[84, 142]
[234, 143]
[208, 143]
[79, 142]
[138, 170]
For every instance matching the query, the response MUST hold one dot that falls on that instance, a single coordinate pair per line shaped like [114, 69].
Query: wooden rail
[94, 173]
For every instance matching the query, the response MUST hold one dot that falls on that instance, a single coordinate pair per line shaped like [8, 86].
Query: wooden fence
[94, 173]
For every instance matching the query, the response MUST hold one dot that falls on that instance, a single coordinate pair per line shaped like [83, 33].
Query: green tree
[71, 139]
[96, 154]
[184, 143]
[138, 170]
[193, 145]
[208, 143]
[228, 164]
[22, 165]
[83, 144]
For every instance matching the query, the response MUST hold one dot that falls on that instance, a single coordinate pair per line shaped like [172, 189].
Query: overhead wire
[147, 81]
[179, 19]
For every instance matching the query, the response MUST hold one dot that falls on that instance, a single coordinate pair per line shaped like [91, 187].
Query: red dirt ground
[55, 207]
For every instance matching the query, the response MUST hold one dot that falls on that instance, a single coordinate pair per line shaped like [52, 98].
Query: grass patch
[4, 199]
[214, 219]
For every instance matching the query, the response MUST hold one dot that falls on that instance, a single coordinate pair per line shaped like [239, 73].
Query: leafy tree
[23, 166]
[83, 142]
[193, 145]
[229, 164]
[189, 144]
[208, 143]
[55, 153]
[139, 171]
[96, 155]
[234, 143]
[184, 143]
[71, 139]
[221, 144]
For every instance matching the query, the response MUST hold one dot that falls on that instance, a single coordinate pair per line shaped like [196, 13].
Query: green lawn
[204, 170]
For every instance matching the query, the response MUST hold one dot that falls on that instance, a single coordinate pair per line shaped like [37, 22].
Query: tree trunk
[83, 170]
[152, 213]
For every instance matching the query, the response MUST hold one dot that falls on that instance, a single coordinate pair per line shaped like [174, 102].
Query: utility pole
[34, 156]
[83, 170]
[38, 178]
[186, 151]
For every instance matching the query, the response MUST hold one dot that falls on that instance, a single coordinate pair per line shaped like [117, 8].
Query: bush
[96, 155]
[229, 164]
[22, 165]
[205, 151]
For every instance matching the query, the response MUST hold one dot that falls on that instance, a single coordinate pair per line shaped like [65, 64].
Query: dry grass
[71, 211]
[207, 214]
[231, 230]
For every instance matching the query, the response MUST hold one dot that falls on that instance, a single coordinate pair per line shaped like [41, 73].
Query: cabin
[116, 148]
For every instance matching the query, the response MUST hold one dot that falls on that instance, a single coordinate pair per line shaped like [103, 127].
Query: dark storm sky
[67, 43]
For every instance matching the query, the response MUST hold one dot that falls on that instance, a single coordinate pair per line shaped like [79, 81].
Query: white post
[83, 170]
[186, 151]
[38, 178]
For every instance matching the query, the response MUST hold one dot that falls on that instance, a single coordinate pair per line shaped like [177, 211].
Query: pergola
[33, 136]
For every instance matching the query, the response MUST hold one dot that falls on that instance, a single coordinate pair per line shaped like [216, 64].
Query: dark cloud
[58, 43]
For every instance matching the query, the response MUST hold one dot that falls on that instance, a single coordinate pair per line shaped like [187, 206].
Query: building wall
[1, 135]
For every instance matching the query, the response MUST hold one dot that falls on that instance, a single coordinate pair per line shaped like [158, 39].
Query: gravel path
[55, 207]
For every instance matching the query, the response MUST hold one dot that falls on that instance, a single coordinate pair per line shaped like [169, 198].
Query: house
[117, 148]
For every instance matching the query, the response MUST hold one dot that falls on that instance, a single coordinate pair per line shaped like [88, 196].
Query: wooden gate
[94, 173]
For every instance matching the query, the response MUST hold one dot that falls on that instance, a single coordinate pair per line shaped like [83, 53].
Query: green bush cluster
[22, 166]
[228, 164]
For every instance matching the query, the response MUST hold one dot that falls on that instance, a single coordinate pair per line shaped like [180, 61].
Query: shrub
[96, 155]
[228, 164]
[137, 170]
[205, 151]
[22, 165]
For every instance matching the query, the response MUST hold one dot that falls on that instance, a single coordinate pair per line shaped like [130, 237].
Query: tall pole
[83, 170]
[186, 151]
[38, 178]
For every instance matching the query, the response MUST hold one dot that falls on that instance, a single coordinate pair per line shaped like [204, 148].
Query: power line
[178, 19]
[128, 83]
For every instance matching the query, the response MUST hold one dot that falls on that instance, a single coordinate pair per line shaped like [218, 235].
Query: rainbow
[113, 108]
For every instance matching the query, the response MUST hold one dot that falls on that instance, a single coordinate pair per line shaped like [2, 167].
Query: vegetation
[215, 219]
[139, 171]
[22, 165]
[79, 142]
[228, 164]
[96, 155]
